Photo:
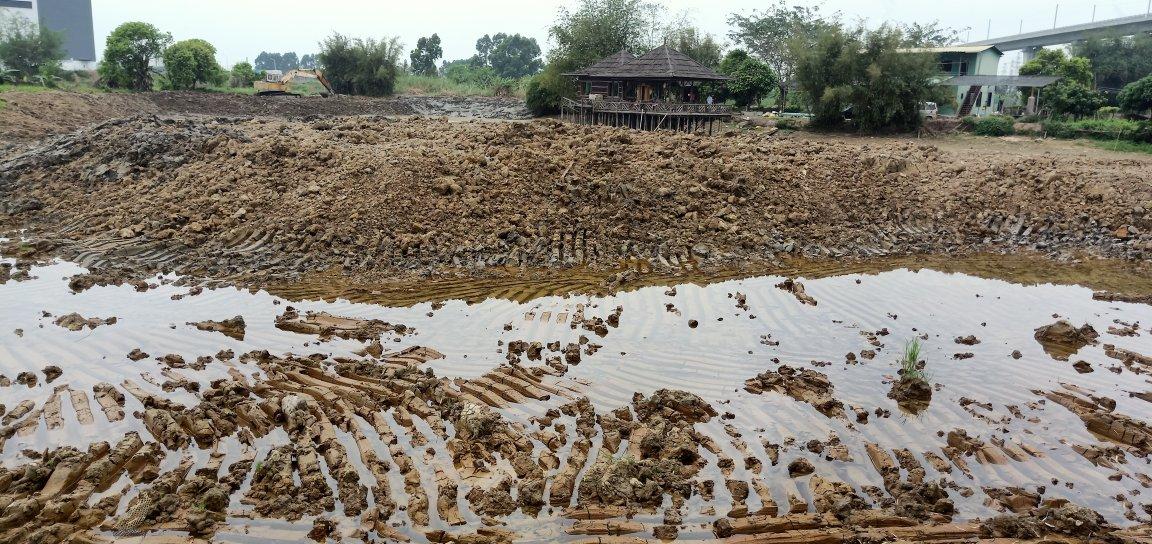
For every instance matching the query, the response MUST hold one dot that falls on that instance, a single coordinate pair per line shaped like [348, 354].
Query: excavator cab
[275, 83]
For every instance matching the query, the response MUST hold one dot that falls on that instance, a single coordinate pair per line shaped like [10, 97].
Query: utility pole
[1021, 31]
[1093, 13]
[1055, 15]
[989, 35]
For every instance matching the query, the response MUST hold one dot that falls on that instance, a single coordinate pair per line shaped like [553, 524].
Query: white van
[929, 110]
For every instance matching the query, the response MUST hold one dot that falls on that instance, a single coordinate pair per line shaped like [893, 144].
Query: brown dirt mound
[26, 116]
[379, 196]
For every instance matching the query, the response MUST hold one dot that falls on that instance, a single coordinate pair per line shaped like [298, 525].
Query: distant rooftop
[660, 63]
[951, 49]
[1009, 81]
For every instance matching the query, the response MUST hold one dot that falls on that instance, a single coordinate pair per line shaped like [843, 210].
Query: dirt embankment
[379, 196]
[28, 116]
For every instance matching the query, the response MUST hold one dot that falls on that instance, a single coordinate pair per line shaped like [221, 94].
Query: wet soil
[578, 418]
[28, 116]
[241, 198]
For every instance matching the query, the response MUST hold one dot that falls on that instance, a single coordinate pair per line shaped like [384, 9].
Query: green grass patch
[992, 125]
[1125, 146]
[911, 367]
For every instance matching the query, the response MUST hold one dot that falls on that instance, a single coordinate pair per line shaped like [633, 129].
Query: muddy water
[654, 347]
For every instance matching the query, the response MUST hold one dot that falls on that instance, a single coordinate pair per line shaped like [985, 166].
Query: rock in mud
[1061, 339]
[800, 467]
[797, 290]
[804, 385]
[232, 328]
[75, 321]
[51, 372]
[911, 394]
[327, 325]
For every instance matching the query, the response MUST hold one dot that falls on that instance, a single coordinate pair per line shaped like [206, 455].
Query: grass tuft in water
[911, 367]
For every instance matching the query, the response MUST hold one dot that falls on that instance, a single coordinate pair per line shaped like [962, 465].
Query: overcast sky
[240, 29]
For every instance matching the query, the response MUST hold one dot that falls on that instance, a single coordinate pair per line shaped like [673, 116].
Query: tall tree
[308, 61]
[868, 71]
[188, 62]
[29, 49]
[128, 52]
[682, 35]
[1117, 60]
[776, 32]
[751, 79]
[361, 66]
[1053, 62]
[512, 56]
[425, 55]
[599, 28]
[927, 35]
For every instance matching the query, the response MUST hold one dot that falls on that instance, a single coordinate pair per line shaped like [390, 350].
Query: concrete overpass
[1032, 41]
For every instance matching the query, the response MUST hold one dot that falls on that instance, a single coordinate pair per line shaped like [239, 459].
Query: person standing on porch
[709, 100]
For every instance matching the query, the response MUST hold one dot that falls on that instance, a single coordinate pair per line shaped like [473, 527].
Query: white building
[72, 18]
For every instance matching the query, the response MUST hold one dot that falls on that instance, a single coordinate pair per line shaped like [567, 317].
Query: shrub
[242, 75]
[1107, 112]
[128, 51]
[1136, 97]
[867, 71]
[992, 125]
[545, 91]
[786, 123]
[189, 62]
[28, 50]
[361, 66]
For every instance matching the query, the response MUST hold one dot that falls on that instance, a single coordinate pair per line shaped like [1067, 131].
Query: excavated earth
[381, 197]
[30, 115]
[167, 373]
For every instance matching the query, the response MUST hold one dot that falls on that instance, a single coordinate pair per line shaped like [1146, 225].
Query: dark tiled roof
[608, 64]
[660, 63]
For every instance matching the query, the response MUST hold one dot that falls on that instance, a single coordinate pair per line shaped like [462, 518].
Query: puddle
[652, 348]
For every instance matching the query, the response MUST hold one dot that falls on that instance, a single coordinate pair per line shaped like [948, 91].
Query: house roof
[660, 63]
[952, 49]
[1010, 81]
[610, 63]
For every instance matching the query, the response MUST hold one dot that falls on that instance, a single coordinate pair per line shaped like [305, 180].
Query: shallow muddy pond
[692, 337]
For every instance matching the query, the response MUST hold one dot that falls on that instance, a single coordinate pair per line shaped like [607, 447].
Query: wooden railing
[626, 106]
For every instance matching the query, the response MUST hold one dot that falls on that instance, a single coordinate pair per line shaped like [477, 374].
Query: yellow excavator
[276, 84]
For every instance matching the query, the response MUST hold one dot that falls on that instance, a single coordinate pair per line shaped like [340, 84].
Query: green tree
[682, 35]
[513, 56]
[29, 49]
[242, 75]
[776, 33]
[1117, 60]
[867, 71]
[1137, 96]
[128, 52]
[425, 55]
[599, 28]
[308, 61]
[361, 66]
[596, 29]
[751, 79]
[1074, 99]
[189, 62]
[927, 35]
[1053, 62]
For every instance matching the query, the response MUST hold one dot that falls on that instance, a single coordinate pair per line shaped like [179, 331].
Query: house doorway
[644, 93]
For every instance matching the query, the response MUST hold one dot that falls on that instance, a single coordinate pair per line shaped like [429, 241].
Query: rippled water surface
[653, 348]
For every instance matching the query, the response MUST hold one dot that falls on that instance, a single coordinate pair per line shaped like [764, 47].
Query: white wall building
[71, 18]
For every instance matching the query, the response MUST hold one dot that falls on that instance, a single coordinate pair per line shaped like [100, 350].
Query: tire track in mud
[324, 458]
